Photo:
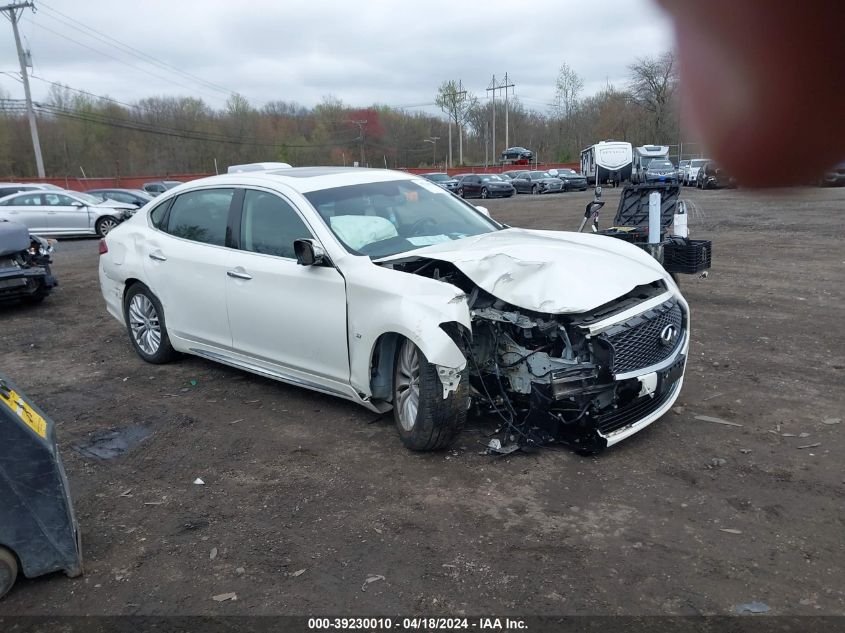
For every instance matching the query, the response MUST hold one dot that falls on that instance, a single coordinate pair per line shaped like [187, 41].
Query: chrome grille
[636, 343]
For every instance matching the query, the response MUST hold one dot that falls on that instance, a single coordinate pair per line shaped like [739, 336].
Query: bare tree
[456, 103]
[653, 83]
[568, 87]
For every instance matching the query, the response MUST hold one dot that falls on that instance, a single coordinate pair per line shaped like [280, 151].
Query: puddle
[112, 444]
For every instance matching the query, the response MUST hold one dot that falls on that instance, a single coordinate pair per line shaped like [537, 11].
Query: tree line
[82, 134]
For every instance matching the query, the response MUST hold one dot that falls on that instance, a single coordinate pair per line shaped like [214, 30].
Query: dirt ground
[306, 496]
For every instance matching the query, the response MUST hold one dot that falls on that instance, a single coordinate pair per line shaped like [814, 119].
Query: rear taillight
[103, 247]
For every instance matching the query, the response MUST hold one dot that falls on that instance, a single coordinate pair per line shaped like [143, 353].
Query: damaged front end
[587, 380]
[24, 264]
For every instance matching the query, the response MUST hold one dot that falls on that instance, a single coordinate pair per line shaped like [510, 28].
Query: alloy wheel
[144, 324]
[407, 390]
[106, 225]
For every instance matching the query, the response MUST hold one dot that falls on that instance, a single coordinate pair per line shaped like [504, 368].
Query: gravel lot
[307, 496]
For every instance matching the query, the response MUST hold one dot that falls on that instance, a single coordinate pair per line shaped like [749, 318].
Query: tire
[484, 193]
[424, 419]
[8, 571]
[535, 190]
[461, 192]
[105, 224]
[146, 326]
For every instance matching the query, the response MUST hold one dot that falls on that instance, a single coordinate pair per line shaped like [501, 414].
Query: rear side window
[269, 225]
[201, 216]
[158, 214]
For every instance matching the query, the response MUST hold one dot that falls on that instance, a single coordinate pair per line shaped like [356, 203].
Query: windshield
[493, 177]
[437, 177]
[697, 162]
[87, 198]
[660, 164]
[540, 174]
[567, 172]
[385, 218]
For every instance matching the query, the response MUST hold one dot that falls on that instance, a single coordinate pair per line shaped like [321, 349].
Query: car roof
[306, 179]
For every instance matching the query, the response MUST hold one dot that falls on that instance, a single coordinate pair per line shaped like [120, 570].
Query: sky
[377, 51]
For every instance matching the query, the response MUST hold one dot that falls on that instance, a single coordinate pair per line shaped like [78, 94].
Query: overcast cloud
[394, 53]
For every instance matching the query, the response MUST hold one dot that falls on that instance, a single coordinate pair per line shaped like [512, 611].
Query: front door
[65, 217]
[281, 313]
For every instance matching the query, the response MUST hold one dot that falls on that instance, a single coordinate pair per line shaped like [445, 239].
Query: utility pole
[433, 140]
[13, 12]
[493, 87]
[506, 85]
[462, 94]
[361, 125]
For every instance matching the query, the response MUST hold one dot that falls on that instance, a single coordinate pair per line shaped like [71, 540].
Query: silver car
[63, 212]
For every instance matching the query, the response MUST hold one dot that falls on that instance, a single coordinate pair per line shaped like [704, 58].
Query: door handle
[239, 274]
[157, 256]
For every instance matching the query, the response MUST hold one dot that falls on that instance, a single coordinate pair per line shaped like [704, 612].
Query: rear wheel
[425, 420]
[105, 224]
[8, 571]
[145, 321]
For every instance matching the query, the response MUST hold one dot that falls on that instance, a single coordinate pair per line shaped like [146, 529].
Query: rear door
[290, 316]
[186, 262]
[26, 208]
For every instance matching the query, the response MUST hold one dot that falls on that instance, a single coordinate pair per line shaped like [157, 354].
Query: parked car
[518, 155]
[159, 187]
[484, 186]
[24, 264]
[834, 177]
[711, 176]
[133, 197]
[691, 173]
[571, 179]
[8, 188]
[536, 182]
[661, 171]
[444, 180]
[374, 286]
[63, 212]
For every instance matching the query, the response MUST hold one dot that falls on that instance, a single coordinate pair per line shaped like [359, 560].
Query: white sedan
[387, 290]
[57, 212]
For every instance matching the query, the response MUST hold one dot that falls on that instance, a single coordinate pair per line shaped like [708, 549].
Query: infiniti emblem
[668, 335]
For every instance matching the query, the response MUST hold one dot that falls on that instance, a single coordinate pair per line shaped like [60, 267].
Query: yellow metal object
[26, 413]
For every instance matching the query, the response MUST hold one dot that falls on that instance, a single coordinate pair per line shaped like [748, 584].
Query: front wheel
[144, 318]
[425, 420]
[484, 193]
[461, 192]
[8, 571]
[105, 224]
[535, 190]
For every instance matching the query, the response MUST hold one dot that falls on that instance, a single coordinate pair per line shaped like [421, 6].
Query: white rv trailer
[643, 156]
[600, 162]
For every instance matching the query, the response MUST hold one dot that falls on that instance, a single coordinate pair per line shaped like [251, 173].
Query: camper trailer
[607, 161]
[643, 156]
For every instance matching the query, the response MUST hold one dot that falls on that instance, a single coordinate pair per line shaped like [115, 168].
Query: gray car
[63, 212]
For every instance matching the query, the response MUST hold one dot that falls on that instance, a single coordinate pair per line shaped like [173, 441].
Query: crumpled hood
[547, 271]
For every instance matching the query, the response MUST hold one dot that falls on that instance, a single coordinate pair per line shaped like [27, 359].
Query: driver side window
[269, 225]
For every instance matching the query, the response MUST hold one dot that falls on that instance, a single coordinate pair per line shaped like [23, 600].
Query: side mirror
[483, 210]
[76, 203]
[308, 253]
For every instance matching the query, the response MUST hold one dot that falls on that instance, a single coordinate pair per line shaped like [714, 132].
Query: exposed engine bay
[24, 264]
[577, 379]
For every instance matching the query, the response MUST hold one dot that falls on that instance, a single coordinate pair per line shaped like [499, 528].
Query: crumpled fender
[381, 300]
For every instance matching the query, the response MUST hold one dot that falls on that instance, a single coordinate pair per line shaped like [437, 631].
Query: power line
[110, 56]
[131, 50]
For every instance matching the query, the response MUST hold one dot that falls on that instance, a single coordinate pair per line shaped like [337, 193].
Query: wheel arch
[383, 354]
